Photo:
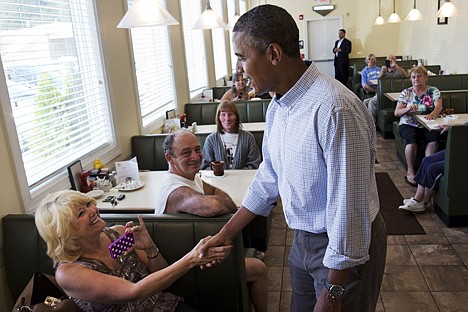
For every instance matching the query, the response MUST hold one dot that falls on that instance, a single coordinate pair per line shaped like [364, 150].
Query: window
[219, 42]
[154, 74]
[194, 47]
[231, 12]
[242, 7]
[58, 109]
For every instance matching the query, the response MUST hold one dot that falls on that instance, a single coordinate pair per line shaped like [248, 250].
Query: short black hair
[267, 24]
[343, 30]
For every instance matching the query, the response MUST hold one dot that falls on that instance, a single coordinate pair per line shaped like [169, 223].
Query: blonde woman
[77, 241]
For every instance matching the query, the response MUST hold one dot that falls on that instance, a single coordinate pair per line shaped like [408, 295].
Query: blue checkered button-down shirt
[319, 154]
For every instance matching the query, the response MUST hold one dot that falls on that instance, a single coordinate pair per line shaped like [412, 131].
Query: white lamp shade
[394, 18]
[146, 13]
[209, 20]
[414, 15]
[447, 10]
[233, 21]
[379, 20]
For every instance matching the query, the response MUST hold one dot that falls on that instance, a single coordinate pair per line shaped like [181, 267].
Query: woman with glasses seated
[236, 147]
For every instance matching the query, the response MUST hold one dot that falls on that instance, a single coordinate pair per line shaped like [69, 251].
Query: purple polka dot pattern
[121, 245]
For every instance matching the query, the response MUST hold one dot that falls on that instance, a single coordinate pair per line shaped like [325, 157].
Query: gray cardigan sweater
[247, 152]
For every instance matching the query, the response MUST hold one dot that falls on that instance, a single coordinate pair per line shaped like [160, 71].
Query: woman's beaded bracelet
[154, 257]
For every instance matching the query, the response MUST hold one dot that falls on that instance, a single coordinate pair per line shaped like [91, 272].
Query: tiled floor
[423, 272]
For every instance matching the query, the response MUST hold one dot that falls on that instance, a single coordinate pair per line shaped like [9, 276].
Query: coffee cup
[218, 167]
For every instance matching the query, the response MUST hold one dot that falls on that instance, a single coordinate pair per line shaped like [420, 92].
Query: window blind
[194, 47]
[154, 73]
[53, 71]
[231, 11]
[242, 7]
[219, 42]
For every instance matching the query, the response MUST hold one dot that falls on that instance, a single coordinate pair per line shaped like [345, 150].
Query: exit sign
[322, 1]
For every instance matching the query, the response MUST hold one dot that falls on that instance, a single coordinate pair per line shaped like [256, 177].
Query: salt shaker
[194, 127]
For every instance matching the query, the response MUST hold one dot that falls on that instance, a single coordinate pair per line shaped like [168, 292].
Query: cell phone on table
[121, 245]
[109, 199]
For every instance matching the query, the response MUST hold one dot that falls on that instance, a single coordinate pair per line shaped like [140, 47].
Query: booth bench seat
[204, 113]
[221, 288]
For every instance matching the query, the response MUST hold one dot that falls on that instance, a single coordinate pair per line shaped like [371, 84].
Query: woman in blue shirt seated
[236, 147]
[370, 72]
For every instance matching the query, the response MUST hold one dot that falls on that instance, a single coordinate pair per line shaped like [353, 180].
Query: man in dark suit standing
[342, 49]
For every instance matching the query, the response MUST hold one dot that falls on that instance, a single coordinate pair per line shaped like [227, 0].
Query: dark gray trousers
[308, 274]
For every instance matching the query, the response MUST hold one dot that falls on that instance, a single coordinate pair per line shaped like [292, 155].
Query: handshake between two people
[209, 251]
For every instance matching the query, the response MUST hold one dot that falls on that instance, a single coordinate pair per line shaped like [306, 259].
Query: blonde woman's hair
[55, 220]
[418, 70]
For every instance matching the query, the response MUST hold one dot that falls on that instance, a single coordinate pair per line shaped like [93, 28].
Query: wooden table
[248, 126]
[436, 124]
[234, 182]
[392, 96]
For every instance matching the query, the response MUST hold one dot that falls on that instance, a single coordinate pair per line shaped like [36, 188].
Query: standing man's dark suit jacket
[341, 61]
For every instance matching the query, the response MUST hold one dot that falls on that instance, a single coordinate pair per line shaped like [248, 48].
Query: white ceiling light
[233, 21]
[379, 20]
[394, 18]
[414, 14]
[146, 13]
[447, 10]
[209, 19]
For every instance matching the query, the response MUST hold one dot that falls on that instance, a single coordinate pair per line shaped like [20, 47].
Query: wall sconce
[323, 9]
[146, 13]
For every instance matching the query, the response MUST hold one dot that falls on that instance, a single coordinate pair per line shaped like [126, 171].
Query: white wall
[438, 44]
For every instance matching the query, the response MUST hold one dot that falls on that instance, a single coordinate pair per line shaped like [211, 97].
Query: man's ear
[168, 157]
[275, 53]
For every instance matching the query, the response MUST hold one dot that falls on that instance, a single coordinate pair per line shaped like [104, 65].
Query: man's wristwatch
[335, 291]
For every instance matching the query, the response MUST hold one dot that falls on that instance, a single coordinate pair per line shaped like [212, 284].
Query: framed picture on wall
[441, 20]
[74, 171]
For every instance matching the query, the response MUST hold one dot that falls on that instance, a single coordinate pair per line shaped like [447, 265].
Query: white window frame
[32, 196]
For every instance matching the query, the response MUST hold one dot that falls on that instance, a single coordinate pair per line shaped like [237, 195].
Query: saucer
[95, 193]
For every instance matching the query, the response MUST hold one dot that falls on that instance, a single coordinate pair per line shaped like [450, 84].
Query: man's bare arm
[185, 199]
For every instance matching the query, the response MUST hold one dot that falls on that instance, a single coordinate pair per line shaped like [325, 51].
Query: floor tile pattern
[423, 272]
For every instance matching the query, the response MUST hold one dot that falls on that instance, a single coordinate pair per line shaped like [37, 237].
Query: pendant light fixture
[379, 20]
[233, 21]
[209, 19]
[394, 18]
[447, 10]
[414, 14]
[146, 13]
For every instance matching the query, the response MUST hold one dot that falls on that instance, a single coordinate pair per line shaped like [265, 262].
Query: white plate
[130, 186]
[95, 193]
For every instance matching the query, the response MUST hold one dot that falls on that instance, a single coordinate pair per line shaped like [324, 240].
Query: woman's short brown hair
[227, 106]
[55, 219]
